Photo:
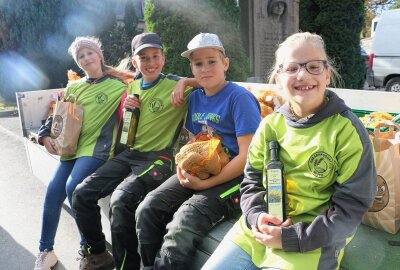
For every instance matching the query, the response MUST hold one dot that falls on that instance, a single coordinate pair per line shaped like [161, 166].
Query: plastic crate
[362, 113]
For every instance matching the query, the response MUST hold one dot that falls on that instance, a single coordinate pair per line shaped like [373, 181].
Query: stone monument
[265, 24]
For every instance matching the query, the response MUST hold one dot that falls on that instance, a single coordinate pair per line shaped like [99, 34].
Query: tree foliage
[373, 8]
[35, 36]
[178, 21]
[340, 24]
[375, 5]
[28, 48]
[117, 38]
[395, 5]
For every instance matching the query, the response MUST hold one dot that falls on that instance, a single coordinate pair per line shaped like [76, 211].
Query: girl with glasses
[329, 173]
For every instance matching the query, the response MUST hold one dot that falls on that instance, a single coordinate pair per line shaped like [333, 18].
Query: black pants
[172, 221]
[129, 177]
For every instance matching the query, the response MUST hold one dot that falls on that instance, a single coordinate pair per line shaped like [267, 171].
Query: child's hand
[265, 219]
[177, 97]
[49, 144]
[60, 95]
[268, 230]
[131, 102]
[189, 181]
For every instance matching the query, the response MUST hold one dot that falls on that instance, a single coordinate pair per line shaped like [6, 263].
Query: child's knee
[79, 195]
[144, 211]
[119, 198]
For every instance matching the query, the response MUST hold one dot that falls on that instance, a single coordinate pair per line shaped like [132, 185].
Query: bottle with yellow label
[129, 126]
[275, 183]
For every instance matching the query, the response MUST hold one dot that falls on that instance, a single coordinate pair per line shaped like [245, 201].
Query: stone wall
[265, 24]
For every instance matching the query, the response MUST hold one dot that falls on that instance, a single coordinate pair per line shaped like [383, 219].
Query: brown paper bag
[385, 211]
[66, 127]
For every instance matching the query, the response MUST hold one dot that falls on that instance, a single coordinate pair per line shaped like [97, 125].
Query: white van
[374, 24]
[384, 61]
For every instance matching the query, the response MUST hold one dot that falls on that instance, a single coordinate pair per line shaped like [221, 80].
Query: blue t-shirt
[232, 112]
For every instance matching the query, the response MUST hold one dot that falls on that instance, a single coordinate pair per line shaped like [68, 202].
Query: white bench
[33, 108]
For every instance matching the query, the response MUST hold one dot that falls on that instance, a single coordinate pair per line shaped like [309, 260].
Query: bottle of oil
[129, 126]
[275, 183]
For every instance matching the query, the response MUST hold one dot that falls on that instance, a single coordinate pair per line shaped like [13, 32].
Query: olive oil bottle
[129, 126]
[275, 183]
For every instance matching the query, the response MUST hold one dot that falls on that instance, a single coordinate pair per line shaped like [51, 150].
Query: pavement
[21, 201]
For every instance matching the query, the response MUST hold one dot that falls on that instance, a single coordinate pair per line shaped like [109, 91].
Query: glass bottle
[275, 183]
[129, 126]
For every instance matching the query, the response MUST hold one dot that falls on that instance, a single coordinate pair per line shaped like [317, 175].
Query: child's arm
[252, 190]
[232, 170]
[178, 95]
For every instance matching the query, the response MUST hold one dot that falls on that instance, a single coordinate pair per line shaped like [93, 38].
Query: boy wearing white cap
[133, 173]
[172, 220]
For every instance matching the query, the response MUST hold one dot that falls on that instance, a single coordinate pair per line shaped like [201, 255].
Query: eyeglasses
[314, 67]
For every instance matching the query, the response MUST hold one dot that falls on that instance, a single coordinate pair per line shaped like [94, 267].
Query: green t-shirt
[100, 116]
[158, 120]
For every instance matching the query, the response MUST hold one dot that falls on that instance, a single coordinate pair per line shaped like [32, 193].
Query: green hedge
[178, 21]
[340, 24]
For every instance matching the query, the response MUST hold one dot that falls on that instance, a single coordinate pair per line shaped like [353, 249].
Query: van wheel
[393, 85]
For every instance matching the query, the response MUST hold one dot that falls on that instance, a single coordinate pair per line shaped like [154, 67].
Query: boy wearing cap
[173, 219]
[133, 173]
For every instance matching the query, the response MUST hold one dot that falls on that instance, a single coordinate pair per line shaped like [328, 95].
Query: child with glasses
[329, 172]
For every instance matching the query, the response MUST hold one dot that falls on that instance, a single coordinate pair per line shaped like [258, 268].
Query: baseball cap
[203, 40]
[145, 40]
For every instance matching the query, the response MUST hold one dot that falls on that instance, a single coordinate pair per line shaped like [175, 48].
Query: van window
[374, 24]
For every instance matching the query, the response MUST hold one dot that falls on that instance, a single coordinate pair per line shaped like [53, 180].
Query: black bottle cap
[273, 145]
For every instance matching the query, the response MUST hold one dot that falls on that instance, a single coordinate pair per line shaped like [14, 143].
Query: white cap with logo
[201, 41]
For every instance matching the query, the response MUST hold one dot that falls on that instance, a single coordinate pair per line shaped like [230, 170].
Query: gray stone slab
[268, 23]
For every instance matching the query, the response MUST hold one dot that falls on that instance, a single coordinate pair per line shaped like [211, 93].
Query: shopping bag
[385, 211]
[66, 127]
[202, 156]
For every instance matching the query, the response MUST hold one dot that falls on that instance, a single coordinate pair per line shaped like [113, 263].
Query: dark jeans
[129, 176]
[172, 221]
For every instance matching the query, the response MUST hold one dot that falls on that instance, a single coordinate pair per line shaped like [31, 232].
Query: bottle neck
[274, 154]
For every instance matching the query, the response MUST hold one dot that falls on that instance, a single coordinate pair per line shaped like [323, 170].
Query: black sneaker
[102, 261]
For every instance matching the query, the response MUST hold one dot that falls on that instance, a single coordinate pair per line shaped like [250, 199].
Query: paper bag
[66, 127]
[385, 211]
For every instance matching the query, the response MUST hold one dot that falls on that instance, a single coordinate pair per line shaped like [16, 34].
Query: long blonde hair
[296, 39]
[120, 72]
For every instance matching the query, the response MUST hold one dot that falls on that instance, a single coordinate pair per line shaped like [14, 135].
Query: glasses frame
[303, 65]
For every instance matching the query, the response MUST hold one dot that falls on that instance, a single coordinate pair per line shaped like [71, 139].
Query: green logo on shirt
[101, 98]
[320, 164]
[156, 105]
